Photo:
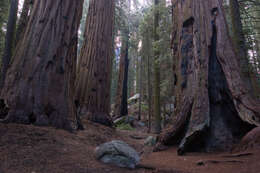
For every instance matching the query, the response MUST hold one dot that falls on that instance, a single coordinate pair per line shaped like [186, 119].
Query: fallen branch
[200, 163]
[137, 137]
[143, 166]
[238, 155]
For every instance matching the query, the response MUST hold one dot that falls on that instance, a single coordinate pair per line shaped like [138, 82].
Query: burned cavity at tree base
[214, 111]
[226, 127]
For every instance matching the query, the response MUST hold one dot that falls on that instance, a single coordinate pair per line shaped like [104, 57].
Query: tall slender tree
[39, 82]
[240, 43]
[4, 4]
[140, 88]
[157, 107]
[121, 108]
[9, 40]
[214, 109]
[121, 93]
[23, 20]
[94, 69]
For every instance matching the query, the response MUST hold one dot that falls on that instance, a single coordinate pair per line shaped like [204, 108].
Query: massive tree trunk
[214, 110]
[94, 69]
[38, 86]
[9, 40]
[121, 108]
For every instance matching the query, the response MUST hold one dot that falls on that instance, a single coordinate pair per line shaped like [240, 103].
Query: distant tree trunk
[146, 46]
[121, 93]
[257, 30]
[240, 43]
[94, 69]
[23, 20]
[157, 108]
[257, 48]
[39, 82]
[140, 89]
[256, 68]
[9, 40]
[149, 94]
[3, 19]
[214, 110]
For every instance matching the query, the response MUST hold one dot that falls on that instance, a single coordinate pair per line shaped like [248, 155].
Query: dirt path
[205, 163]
[30, 149]
[168, 161]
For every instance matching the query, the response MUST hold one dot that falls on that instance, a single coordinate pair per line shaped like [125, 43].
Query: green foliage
[140, 22]
[144, 107]
[161, 47]
[124, 126]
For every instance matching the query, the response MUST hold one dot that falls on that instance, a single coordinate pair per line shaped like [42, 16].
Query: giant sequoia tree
[214, 109]
[38, 86]
[94, 68]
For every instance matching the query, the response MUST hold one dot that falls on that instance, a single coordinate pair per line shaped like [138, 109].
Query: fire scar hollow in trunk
[213, 108]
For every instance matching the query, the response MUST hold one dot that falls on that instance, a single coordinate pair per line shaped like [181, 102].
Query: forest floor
[30, 149]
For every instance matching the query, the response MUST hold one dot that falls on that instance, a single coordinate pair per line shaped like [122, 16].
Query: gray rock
[119, 120]
[124, 120]
[150, 141]
[141, 124]
[117, 153]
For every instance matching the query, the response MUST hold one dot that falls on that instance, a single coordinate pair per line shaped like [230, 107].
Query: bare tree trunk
[24, 18]
[214, 109]
[38, 86]
[94, 69]
[140, 90]
[121, 93]
[157, 106]
[149, 95]
[4, 4]
[240, 45]
[9, 40]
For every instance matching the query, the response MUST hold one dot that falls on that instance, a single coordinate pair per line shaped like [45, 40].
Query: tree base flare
[213, 108]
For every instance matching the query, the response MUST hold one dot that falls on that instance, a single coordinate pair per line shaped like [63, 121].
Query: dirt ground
[30, 149]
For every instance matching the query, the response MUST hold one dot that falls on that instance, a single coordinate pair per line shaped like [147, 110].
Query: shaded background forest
[137, 17]
[171, 71]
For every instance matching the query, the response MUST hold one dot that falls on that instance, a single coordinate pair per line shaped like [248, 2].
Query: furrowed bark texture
[214, 110]
[94, 69]
[38, 86]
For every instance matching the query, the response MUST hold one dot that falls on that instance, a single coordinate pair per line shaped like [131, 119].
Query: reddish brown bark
[213, 108]
[94, 68]
[38, 86]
